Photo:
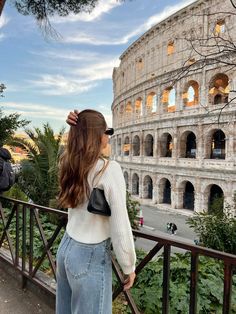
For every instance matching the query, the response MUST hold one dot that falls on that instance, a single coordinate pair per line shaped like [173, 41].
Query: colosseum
[174, 110]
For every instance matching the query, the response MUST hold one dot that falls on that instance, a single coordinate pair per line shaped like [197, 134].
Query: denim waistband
[106, 242]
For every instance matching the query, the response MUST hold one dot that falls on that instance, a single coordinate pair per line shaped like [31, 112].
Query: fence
[20, 242]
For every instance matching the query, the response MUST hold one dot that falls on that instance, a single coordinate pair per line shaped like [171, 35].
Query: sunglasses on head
[109, 131]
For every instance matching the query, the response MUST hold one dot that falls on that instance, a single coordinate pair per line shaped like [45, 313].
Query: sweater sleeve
[120, 228]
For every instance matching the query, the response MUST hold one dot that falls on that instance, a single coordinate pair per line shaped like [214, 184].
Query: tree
[8, 125]
[216, 230]
[38, 176]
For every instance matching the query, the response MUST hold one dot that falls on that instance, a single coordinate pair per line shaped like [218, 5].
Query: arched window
[138, 108]
[219, 89]
[128, 111]
[216, 200]
[114, 147]
[169, 100]
[148, 145]
[148, 187]
[191, 146]
[136, 146]
[126, 176]
[167, 192]
[151, 105]
[135, 184]
[126, 146]
[119, 146]
[218, 145]
[220, 27]
[188, 145]
[188, 196]
[170, 48]
[191, 95]
[166, 145]
[139, 64]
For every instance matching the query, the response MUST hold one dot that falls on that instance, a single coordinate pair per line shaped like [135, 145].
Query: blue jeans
[84, 277]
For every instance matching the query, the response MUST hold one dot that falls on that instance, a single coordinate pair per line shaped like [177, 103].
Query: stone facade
[175, 136]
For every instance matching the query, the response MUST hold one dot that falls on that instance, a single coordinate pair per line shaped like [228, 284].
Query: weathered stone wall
[177, 130]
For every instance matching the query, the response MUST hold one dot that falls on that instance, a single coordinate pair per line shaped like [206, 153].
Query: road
[155, 221]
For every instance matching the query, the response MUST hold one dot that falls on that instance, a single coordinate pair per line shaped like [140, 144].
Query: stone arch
[148, 147]
[114, 146]
[126, 148]
[191, 94]
[151, 103]
[215, 144]
[188, 194]
[166, 145]
[165, 191]
[138, 107]
[126, 177]
[136, 146]
[188, 146]
[215, 197]
[119, 146]
[135, 184]
[147, 187]
[219, 89]
[128, 111]
[169, 99]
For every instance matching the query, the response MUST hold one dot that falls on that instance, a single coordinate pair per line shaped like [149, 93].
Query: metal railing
[21, 248]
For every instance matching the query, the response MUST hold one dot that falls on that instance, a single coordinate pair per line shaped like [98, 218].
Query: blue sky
[46, 77]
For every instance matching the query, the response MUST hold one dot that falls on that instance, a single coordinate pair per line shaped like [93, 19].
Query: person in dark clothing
[171, 228]
[7, 175]
[4, 156]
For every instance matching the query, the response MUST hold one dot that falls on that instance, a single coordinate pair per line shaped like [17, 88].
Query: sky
[48, 76]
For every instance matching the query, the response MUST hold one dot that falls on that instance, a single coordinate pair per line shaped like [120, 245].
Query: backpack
[7, 176]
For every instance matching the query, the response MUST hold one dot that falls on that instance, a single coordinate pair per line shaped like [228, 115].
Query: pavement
[14, 300]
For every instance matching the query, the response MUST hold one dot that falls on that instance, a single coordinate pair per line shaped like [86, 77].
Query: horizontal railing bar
[29, 205]
[187, 246]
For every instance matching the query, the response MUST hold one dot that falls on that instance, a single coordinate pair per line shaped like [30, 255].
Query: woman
[84, 271]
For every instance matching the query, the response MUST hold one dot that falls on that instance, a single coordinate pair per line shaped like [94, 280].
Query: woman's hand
[129, 281]
[72, 117]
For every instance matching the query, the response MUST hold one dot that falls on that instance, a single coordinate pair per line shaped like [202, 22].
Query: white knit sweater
[91, 228]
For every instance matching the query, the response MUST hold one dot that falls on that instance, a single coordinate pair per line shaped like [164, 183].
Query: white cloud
[69, 55]
[32, 110]
[85, 38]
[3, 20]
[98, 71]
[78, 77]
[45, 113]
[103, 6]
[61, 85]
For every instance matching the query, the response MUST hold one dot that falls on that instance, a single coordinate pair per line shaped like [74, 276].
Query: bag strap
[100, 173]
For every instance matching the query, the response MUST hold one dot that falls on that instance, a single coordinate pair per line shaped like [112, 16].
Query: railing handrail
[183, 244]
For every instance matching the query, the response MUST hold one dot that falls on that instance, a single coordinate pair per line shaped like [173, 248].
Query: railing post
[166, 279]
[193, 283]
[228, 273]
[17, 238]
[24, 228]
[31, 247]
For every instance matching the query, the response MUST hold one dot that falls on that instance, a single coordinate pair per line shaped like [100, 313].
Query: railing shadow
[21, 222]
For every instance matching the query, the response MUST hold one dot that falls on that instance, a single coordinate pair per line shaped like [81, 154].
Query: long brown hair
[82, 151]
